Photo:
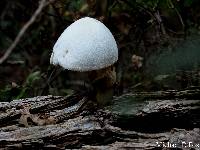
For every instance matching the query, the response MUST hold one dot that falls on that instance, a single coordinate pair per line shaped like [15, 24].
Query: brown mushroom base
[102, 82]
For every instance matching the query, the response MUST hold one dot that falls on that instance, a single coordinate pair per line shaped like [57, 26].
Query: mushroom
[87, 45]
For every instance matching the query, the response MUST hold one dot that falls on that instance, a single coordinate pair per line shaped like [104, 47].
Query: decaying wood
[157, 114]
[55, 122]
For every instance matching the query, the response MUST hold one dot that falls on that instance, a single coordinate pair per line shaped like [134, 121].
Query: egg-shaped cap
[87, 44]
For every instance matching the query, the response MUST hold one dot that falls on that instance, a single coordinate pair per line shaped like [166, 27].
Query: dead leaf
[137, 61]
[25, 114]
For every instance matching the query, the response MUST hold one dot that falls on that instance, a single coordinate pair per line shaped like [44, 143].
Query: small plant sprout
[87, 45]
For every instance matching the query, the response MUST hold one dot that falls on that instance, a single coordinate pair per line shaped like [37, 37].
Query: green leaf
[33, 77]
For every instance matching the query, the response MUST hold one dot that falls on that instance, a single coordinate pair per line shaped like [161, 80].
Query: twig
[42, 4]
[171, 5]
[181, 19]
[159, 20]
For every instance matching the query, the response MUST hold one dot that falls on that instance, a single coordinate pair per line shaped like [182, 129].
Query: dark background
[158, 41]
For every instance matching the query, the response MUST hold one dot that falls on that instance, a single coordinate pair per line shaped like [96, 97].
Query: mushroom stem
[103, 81]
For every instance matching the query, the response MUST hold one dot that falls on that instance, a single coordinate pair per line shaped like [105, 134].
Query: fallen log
[133, 121]
[155, 115]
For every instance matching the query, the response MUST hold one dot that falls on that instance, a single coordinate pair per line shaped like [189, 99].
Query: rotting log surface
[54, 122]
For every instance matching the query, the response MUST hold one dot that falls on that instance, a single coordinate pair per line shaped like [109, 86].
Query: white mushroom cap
[87, 44]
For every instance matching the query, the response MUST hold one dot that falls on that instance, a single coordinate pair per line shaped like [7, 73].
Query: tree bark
[162, 120]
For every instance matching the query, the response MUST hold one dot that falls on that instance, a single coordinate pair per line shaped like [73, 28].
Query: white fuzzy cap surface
[87, 44]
